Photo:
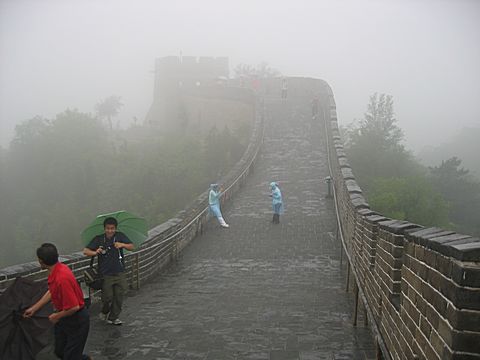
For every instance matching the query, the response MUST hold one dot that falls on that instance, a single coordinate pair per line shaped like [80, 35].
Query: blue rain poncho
[214, 200]
[277, 202]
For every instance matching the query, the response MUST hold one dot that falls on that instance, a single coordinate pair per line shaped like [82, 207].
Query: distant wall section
[194, 94]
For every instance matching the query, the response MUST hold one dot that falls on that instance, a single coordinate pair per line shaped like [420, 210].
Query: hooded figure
[277, 203]
[214, 203]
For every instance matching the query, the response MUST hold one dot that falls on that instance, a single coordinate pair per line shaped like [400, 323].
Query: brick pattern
[421, 284]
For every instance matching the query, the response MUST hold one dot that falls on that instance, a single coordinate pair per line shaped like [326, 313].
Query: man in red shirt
[71, 319]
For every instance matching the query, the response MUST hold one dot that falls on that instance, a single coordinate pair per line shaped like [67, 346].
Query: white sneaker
[103, 316]
[115, 322]
[222, 222]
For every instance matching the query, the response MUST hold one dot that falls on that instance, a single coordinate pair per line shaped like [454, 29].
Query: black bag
[93, 278]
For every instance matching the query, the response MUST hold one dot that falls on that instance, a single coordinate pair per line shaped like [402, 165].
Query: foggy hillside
[464, 145]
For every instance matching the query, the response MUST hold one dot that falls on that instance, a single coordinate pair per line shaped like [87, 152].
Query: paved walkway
[256, 290]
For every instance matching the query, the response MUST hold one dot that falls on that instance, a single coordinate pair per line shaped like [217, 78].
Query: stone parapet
[422, 285]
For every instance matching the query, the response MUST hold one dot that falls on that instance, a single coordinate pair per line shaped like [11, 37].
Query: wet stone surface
[255, 290]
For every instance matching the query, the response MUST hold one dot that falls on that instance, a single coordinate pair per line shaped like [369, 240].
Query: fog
[59, 54]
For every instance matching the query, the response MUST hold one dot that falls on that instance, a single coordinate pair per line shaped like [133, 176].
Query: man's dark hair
[48, 254]
[110, 221]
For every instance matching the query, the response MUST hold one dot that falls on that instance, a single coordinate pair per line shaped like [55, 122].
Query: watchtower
[174, 76]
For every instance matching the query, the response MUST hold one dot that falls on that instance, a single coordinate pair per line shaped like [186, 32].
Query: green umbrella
[134, 227]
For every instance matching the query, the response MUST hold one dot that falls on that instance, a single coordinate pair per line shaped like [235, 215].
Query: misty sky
[59, 54]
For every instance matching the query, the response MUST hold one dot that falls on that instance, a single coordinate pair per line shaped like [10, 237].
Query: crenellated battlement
[179, 77]
[189, 70]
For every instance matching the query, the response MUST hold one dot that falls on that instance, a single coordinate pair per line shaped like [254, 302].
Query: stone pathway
[256, 290]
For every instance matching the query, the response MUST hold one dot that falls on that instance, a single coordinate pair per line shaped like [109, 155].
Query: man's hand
[54, 318]
[38, 305]
[120, 245]
[29, 312]
[90, 252]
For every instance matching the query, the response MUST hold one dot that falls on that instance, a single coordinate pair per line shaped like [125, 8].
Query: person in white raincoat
[277, 202]
[214, 203]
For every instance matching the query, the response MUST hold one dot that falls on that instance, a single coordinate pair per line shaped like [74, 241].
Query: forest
[58, 174]
[398, 185]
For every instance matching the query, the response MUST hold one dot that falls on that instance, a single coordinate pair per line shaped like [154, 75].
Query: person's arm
[64, 313]
[69, 302]
[92, 249]
[38, 305]
[213, 196]
[124, 243]
[276, 195]
[90, 252]
[126, 246]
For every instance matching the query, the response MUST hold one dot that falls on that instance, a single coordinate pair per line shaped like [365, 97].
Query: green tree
[374, 144]
[52, 177]
[5, 214]
[109, 108]
[29, 132]
[59, 173]
[464, 145]
[379, 124]
[413, 199]
[213, 153]
[462, 191]
[394, 183]
[222, 150]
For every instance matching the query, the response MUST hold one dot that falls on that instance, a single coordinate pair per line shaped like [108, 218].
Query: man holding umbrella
[109, 249]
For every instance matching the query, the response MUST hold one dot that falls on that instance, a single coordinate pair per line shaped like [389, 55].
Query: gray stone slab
[376, 218]
[347, 173]
[398, 226]
[466, 252]
[352, 186]
[421, 236]
[343, 162]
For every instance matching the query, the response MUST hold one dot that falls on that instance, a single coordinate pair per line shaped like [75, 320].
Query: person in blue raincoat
[214, 203]
[277, 202]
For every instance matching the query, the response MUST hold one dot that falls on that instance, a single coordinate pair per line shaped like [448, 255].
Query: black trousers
[71, 335]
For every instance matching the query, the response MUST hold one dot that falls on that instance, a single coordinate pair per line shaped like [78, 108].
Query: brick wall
[422, 285]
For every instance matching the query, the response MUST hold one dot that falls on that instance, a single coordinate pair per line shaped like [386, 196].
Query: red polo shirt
[64, 288]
